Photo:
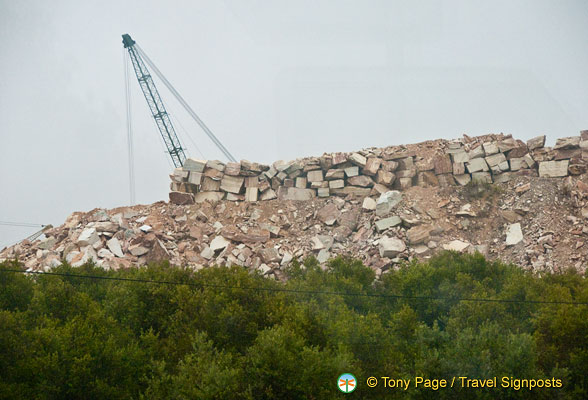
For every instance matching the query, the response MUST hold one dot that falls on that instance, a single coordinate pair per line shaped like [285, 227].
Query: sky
[273, 80]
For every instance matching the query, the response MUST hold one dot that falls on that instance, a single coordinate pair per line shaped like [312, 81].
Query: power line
[23, 224]
[284, 290]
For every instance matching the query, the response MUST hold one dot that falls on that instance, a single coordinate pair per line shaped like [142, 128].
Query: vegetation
[480, 189]
[224, 333]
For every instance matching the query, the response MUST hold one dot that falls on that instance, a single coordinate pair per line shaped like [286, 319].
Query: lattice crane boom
[158, 111]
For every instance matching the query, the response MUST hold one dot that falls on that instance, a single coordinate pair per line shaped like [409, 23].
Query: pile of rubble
[387, 206]
[489, 158]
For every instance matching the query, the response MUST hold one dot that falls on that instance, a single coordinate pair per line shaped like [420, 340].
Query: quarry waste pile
[521, 202]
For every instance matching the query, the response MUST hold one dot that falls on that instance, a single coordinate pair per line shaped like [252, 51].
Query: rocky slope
[539, 223]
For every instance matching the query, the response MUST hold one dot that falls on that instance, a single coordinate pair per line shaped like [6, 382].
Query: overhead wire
[298, 291]
[130, 152]
[21, 224]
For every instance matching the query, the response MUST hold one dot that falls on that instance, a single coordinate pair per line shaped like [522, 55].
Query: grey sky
[273, 80]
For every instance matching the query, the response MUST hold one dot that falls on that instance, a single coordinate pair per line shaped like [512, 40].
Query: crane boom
[158, 111]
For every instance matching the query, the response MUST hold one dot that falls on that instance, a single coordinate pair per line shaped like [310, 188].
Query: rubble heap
[489, 158]
[383, 206]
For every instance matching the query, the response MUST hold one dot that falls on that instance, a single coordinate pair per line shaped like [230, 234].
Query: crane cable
[129, 130]
[187, 107]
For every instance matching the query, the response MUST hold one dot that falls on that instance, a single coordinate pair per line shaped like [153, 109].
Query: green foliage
[227, 333]
[478, 189]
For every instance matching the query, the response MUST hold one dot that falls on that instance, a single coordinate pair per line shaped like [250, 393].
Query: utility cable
[284, 290]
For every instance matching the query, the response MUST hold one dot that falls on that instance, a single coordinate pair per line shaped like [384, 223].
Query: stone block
[490, 148]
[494, 159]
[443, 164]
[518, 152]
[536, 142]
[233, 169]
[458, 168]
[476, 152]
[252, 182]
[572, 142]
[358, 159]
[389, 166]
[405, 163]
[334, 174]
[315, 176]
[181, 198]
[427, 178]
[385, 177]
[210, 185]
[201, 197]
[404, 183]
[269, 194]
[507, 145]
[387, 202]
[339, 158]
[301, 182]
[88, 237]
[354, 190]
[518, 163]
[296, 194]
[482, 177]
[372, 166]
[460, 157]
[462, 179]
[351, 171]
[336, 184]
[477, 165]
[390, 247]
[360, 180]
[195, 178]
[251, 194]
[553, 169]
[386, 223]
[215, 164]
[323, 192]
[192, 164]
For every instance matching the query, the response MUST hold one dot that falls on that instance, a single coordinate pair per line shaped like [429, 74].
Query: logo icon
[347, 383]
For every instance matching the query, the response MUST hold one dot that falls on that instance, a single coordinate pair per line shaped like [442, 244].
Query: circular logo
[347, 383]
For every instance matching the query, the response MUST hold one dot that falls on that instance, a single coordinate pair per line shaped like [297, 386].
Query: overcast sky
[273, 80]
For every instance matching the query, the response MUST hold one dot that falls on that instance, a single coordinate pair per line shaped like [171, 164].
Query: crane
[174, 148]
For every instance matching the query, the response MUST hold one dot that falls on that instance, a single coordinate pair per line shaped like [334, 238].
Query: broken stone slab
[387, 202]
[386, 223]
[253, 235]
[459, 168]
[207, 253]
[369, 204]
[88, 237]
[405, 183]
[115, 247]
[323, 256]
[361, 180]
[328, 214]
[47, 243]
[194, 165]
[418, 234]
[296, 194]
[517, 163]
[181, 198]
[269, 255]
[138, 250]
[269, 194]
[232, 184]
[572, 142]
[514, 234]
[553, 169]
[456, 245]
[201, 197]
[536, 142]
[195, 178]
[219, 243]
[334, 174]
[390, 246]
[477, 165]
